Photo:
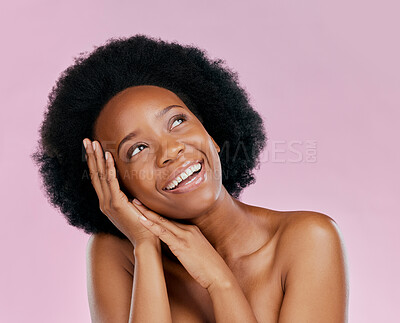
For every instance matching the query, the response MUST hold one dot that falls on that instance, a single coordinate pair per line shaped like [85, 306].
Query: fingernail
[107, 155]
[85, 144]
[94, 145]
[137, 202]
[143, 218]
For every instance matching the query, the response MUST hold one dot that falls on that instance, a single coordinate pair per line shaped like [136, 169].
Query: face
[151, 134]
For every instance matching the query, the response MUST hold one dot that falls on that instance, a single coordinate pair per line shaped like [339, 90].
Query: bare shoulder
[297, 221]
[105, 245]
[109, 278]
[306, 236]
[302, 230]
[313, 261]
[299, 227]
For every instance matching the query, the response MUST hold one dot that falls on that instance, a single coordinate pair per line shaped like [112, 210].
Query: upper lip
[180, 170]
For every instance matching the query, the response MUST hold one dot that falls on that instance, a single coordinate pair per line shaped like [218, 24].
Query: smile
[190, 183]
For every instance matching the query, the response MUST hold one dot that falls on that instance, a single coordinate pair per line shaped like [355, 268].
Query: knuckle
[184, 244]
[162, 219]
[186, 236]
[115, 206]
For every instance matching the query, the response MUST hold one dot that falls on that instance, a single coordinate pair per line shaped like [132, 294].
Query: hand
[189, 245]
[112, 201]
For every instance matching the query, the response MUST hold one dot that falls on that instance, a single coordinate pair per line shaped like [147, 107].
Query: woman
[170, 142]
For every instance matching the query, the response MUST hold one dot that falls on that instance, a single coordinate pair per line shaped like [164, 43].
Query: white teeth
[183, 176]
[189, 171]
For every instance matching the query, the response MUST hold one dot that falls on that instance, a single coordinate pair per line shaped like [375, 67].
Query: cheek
[214, 160]
[136, 180]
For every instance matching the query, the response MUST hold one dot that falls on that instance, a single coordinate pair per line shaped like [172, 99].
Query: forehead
[128, 107]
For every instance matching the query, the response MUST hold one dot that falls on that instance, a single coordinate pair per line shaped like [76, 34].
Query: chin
[193, 207]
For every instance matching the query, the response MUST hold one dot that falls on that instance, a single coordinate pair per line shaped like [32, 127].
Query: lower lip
[194, 184]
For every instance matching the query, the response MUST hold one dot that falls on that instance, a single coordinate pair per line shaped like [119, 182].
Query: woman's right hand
[112, 201]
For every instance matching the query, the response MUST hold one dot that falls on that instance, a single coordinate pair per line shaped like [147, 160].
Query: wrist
[222, 283]
[218, 287]
[146, 246]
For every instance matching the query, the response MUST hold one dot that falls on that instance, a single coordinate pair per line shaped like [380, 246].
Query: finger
[101, 172]
[116, 194]
[113, 184]
[91, 161]
[160, 231]
[176, 228]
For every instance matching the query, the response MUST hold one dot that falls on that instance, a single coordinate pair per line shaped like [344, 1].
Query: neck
[231, 228]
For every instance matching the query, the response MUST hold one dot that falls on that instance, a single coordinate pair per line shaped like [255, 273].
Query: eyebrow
[158, 115]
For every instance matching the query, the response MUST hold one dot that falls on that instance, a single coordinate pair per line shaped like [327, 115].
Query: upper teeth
[189, 171]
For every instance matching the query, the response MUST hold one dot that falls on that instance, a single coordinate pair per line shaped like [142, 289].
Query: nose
[172, 149]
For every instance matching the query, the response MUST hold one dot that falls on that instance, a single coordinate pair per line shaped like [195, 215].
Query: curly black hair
[207, 87]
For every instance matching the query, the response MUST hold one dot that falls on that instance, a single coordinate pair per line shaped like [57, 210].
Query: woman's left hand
[189, 245]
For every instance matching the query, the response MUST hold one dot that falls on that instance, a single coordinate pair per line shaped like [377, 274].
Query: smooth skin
[235, 262]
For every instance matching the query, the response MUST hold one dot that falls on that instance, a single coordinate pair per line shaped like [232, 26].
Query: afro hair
[207, 87]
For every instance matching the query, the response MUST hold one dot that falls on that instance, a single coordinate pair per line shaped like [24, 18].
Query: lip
[194, 184]
[180, 169]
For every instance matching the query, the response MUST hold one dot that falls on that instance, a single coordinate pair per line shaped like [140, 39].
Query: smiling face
[151, 133]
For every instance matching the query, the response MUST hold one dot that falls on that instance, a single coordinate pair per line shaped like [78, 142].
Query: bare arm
[205, 265]
[114, 296]
[316, 287]
[149, 296]
[229, 302]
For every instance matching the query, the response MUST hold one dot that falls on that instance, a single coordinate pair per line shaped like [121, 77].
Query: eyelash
[180, 116]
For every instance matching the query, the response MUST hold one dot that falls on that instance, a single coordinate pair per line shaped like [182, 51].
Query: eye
[134, 150]
[180, 117]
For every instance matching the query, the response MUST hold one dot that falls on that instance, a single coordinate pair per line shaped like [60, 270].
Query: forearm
[149, 293]
[229, 302]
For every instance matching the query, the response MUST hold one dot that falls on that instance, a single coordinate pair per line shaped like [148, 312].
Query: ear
[215, 144]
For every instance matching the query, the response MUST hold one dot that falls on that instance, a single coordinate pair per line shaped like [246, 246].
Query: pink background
[319, 72]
